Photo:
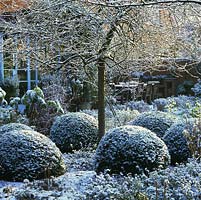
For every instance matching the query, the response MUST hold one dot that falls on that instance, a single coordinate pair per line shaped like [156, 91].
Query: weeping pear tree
[93, 38]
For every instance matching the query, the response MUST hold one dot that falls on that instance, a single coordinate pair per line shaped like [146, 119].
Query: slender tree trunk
[1, 58]
[101, 98]
[101, 81]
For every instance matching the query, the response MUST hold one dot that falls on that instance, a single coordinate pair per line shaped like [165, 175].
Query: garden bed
[81, 182]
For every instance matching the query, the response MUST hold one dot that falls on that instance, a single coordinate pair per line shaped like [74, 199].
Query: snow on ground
[80, 182]
[79, 165]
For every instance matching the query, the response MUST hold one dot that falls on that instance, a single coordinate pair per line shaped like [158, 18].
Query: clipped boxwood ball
[74, 131]
[176, 141]
[157, 122]
[26, 154]
[13, 126]
[131, 149]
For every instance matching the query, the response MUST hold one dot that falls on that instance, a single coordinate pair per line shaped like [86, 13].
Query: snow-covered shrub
[141, 106]
[171, 106]
[3, 102]
[131, 149]
[197, 89]
[2, 94]
[114, 187]
[41, 113]
[121, 118]
[74, 131]
[195, 111]
[26, 154]
[55, 105]
[93, 112]
[116, 117]
[33, 99]
[175, 183]
[177, 142]
[193, 136]
[183, 106]
[158, 122]
[183, 101]
[13, 127]
[32, 96]
[181, 182]
[7, 115]
[46, 116]
[14, 102]
[160, 103]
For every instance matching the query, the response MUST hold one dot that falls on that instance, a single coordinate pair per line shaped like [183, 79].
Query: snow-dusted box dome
[158, 122]
[177, 142]
[131, 149]
[26, 154]
[74, 131]
[13, 127]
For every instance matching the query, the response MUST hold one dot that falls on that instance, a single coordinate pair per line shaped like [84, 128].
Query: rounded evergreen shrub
[131, 149]
[13, 127]
[158, 122]
[177, 142]
[74, 131]
[26, 154]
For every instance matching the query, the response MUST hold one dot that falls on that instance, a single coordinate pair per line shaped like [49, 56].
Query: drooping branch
[120, 3]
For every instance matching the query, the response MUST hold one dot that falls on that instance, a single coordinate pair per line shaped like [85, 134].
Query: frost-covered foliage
[40, 112]
[74, 131]
[14, 102]
[36, 98]
[115, 187]
[177, 183]
[160, 104]
[177, 142]
[183, 101]
[55, 105]
[26, 154]
[79, 160]
[120, 117]
[197, 89]
[2, 94]
[131, 149]
[93, 112]
[196, 110]
[115, 117]
[32, 97]
[3, 102]
[140, 106]
[193, 136]
[182, 106]
[158, 122]
[9, 115]
[13, 127]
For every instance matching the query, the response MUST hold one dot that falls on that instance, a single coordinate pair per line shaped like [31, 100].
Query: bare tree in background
[92, 38]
